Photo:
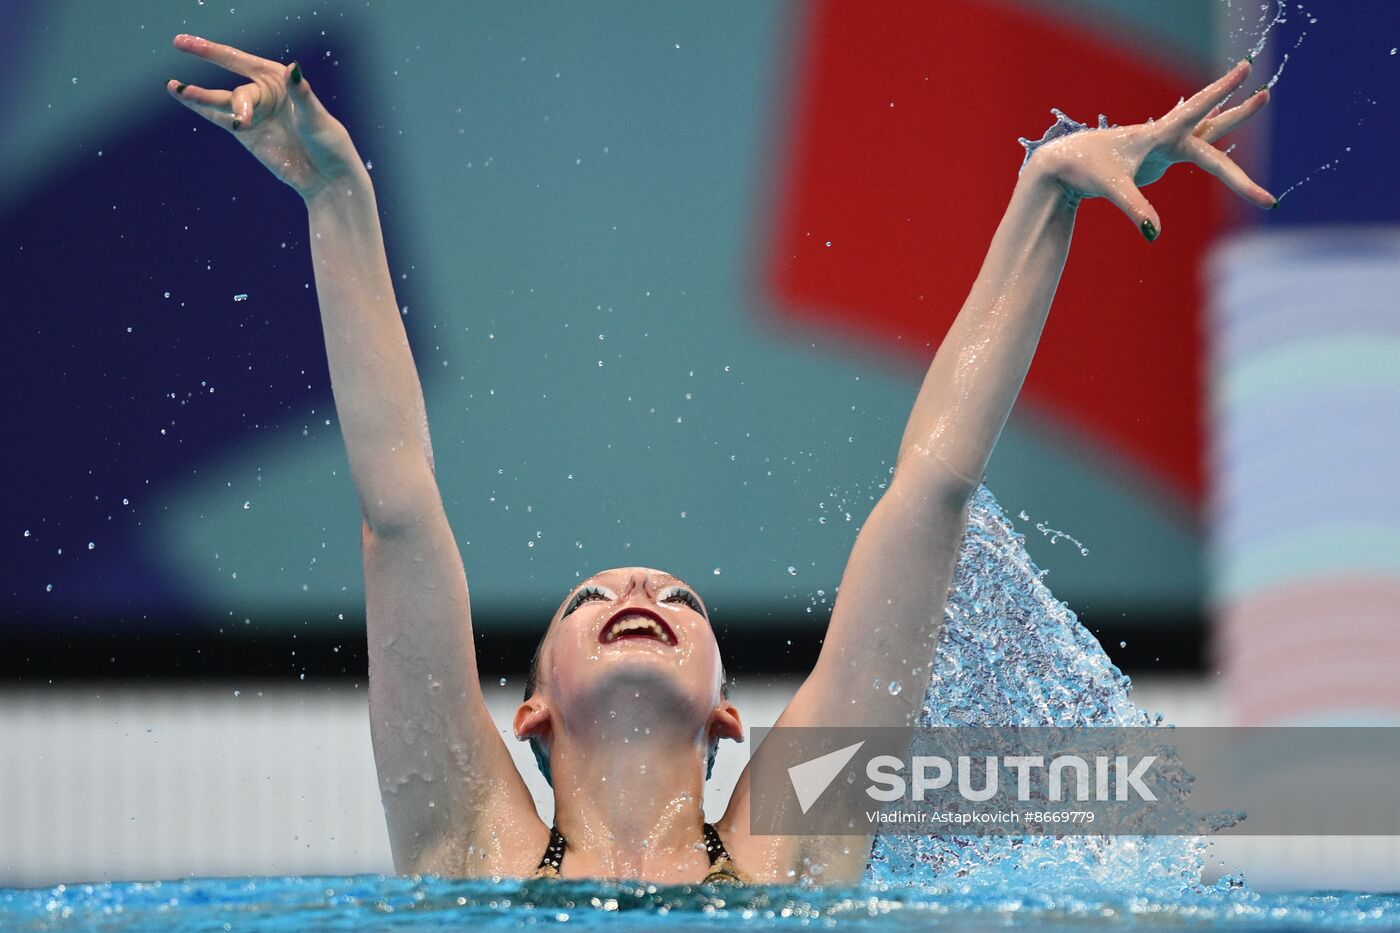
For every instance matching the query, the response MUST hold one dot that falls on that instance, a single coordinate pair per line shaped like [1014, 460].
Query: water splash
[1011, 654]
[1263, 38]
[1063, 126]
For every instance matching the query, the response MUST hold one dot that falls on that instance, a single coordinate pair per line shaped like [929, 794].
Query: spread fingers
[1223, 167]
[1217, 125]
[1190, 112]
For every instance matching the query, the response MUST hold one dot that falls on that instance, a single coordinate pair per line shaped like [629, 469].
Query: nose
[636, 580]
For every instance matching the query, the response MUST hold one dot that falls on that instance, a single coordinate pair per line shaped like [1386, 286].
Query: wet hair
[542, 760]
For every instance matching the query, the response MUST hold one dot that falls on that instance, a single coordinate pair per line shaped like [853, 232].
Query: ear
[532, 719]
[725, 723]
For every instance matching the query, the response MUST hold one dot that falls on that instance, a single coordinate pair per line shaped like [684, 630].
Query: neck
[628, 792]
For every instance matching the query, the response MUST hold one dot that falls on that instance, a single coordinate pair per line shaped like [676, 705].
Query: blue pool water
[284, 905]
[1009, 654]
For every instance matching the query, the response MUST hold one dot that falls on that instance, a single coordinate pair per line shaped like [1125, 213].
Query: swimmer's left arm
[884, 626]
[876, 660]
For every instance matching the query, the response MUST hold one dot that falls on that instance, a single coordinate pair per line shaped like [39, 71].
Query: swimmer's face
[632, 626]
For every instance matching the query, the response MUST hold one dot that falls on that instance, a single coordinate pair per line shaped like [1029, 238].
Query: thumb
[309, 110]
[1132, 202]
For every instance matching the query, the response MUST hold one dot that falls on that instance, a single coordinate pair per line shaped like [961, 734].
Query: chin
[645, 678]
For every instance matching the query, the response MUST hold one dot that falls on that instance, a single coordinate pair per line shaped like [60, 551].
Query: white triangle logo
[811, 778]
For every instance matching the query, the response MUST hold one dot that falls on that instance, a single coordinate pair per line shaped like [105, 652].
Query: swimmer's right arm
[446, 777]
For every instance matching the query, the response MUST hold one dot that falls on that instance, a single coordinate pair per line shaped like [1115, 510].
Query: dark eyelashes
[688, 598]
[592, 592]
[583, 594]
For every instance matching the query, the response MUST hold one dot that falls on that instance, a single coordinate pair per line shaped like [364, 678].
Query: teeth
[635, 624]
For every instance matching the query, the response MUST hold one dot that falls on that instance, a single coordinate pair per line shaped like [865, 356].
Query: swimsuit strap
[553, 855]
[722, 869]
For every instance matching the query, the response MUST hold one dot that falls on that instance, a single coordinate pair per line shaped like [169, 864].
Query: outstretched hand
[1114, 163]
[276, 117]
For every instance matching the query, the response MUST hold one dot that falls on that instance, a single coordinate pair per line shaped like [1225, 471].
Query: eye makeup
[586, 593]
[678, 594]
[683, 595]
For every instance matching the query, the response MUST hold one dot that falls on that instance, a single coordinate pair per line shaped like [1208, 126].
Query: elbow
[388, 521]
[925, 485]
[400, 504]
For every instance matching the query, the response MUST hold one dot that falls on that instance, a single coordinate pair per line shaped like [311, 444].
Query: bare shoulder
[506, 846]
[768, 859]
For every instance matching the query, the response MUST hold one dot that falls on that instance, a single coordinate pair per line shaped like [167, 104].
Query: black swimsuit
[722, 869]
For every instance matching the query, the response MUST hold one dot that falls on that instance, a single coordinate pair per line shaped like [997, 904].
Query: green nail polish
[1275, 204]
[296, 72]
[1149, 230]
[1262, 87]
[237, 123]
[1249, 58]
[181, 88]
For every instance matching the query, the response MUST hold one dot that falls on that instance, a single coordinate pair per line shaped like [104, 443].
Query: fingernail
[1275, 204]
[296, 72]
[237, 123]
[1262, 87]
[180, 89]
[1149, 230]
[1249, 58]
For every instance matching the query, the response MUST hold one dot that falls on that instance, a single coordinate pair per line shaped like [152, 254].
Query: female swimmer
[627, 697]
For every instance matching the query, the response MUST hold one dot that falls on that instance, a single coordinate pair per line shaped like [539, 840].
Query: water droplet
[247, 505]
[49, 588]
[91, 545]
[792, 571]
[716, 571]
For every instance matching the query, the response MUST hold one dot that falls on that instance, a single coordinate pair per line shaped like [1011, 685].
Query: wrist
[353, 188]
[1041, 182]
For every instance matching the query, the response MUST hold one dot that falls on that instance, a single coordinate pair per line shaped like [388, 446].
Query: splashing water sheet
[1009, 653]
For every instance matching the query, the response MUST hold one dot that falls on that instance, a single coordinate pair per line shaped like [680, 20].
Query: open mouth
[636, 623]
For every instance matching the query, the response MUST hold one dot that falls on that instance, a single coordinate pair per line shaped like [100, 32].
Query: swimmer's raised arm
[446, 776]
[875, 662]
